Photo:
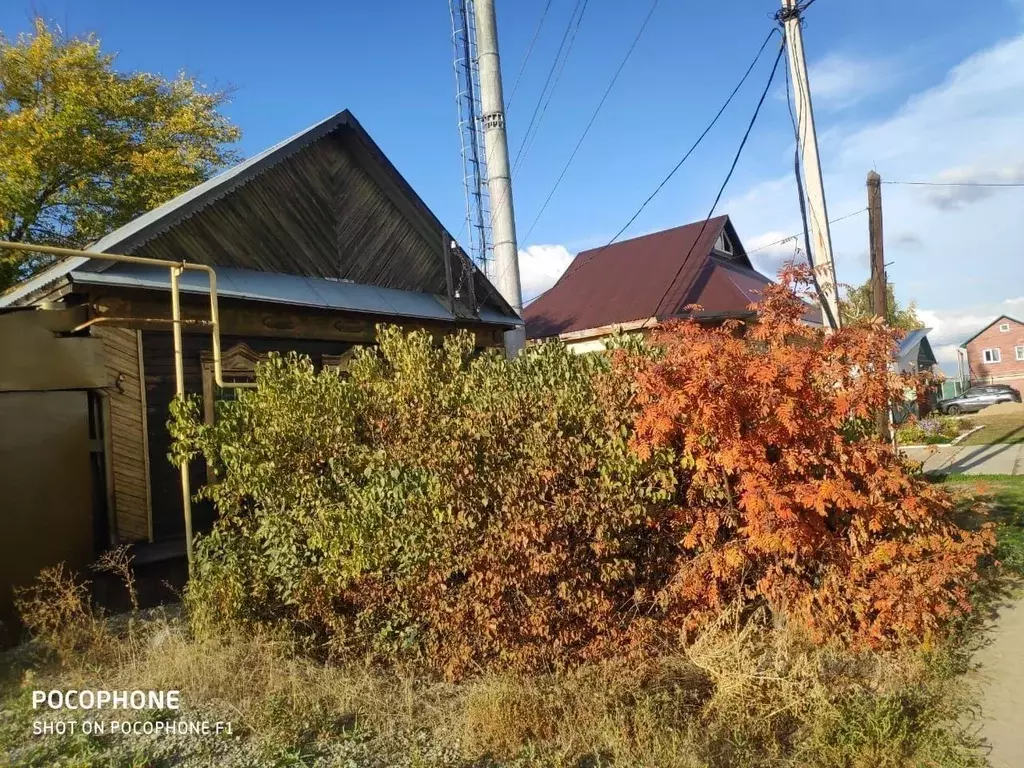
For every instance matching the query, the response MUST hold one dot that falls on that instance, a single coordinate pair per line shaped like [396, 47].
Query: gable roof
[653, 276]
[915, 349]
[1001, 317]
[408, 256]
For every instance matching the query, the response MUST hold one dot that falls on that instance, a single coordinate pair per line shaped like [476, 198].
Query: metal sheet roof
[216, 186]
[654, 276]
[143, 229]
[910, 346]
[294, 290]
[632, 280]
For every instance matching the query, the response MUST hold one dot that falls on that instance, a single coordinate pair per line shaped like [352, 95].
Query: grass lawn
[1001, 499]
[998, 429]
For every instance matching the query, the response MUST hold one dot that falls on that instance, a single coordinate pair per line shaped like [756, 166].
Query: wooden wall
[158, 362]
[130, 448]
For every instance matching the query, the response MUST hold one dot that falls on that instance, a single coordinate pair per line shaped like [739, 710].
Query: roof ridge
[659, 233]
[985, 328]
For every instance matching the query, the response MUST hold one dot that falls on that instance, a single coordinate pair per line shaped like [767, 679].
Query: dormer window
[724, 246]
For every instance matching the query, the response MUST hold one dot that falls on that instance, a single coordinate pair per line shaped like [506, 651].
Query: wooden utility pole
[821, 236]
[879, 284]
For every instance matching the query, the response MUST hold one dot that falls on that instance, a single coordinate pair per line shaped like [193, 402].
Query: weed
[743, 693]
[118, 561]
[57, 611]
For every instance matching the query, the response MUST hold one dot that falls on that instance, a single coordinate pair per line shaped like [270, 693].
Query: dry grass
[742, 694]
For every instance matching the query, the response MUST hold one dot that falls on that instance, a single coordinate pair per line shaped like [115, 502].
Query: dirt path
[1002, 703]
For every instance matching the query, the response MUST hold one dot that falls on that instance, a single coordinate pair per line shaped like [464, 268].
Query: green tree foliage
[856, 308]
[464, 506]
[85, 149]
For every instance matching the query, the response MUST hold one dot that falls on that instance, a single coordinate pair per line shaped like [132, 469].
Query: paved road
[995, 459]
[1002, 700]
[1000, 661]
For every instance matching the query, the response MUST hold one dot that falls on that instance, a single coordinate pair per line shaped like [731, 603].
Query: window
[723, 246]
[1019, 351]
[238, 365]
[991, 355]
[1004, 328]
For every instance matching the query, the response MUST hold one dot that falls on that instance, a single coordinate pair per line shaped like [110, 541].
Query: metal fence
[952, 388]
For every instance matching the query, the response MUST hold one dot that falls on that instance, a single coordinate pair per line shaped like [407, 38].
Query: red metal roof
[649, 276]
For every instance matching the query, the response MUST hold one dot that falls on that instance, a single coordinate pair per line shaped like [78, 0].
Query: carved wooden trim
[239, 361]
[338, 363]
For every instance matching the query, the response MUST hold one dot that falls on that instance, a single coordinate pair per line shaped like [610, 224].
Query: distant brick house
[995, 355]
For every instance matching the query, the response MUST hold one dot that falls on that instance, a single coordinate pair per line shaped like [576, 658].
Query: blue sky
[919, 89]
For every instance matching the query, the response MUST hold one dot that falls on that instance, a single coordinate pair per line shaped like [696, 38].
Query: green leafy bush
[435, 501]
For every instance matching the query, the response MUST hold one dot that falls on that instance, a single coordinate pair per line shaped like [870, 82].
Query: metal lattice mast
[474, 158]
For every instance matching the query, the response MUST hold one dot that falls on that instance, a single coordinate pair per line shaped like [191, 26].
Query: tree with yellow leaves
[85, 148]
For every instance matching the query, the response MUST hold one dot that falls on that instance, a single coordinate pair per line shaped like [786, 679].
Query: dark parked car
[976, 398]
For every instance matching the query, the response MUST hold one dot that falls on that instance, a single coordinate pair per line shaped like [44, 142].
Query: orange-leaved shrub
[784, 493]
[463, 509]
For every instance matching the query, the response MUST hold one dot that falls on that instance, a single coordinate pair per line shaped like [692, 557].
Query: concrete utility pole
[821, 237]
[879, 284]
[499, 177]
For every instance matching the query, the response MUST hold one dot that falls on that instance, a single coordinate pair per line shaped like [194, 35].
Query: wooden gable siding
[158, 359]
[129, 439]
[369, 223]
[318, 213]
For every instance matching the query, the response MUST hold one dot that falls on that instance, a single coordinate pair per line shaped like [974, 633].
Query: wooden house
[314, 242]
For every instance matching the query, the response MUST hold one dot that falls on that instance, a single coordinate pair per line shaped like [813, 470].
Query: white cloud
[540, 266]
[839, 80]
[951, 328]
[958, 259]
[955, 198]
[770, 250]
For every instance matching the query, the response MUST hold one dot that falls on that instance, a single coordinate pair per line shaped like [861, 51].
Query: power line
[593, 117]
[690, 151]
[822, 300]
[551, 73]
[957, 183]
[728, 176]
[800, 234]
[554, 85]
[558, 64]
[528, 138]
[529, 50]
[697, 143]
